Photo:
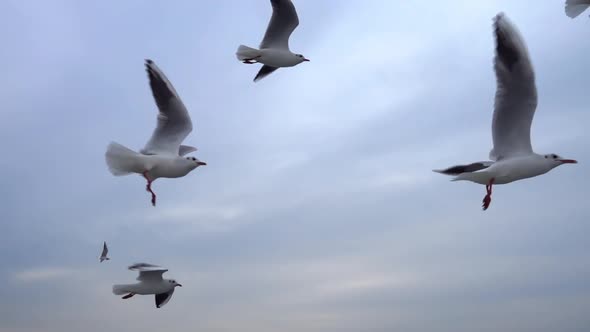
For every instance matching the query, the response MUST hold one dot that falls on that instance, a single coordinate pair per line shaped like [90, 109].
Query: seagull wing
[105, 250]
[148, 272]
[573, 8]
[174, 122]
[163, 298]
[185, 149]
[516, 94]
[263, 72]
[283, 22]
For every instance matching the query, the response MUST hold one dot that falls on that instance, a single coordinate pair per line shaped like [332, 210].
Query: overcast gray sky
[318, 210]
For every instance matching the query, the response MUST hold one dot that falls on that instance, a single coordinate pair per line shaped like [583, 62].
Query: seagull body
[277, 58]
[163, 155]
[274, 51]
[512, 169]
[150, 283]
[573, 8]
[105, 251]
[512, 156]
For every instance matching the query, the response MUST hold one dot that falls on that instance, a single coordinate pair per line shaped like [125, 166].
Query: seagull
[274, 51]
[573, 8]
[150, 282]
[512, 155]
[105, 251]
[163, 155]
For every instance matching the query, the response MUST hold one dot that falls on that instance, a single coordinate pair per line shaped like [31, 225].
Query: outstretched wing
[283, 22]
[460, 169]
[174, 122]
[263, 72]
[105, 250]
[516, 94]
[573, 8]
[162, 299]
[186, 149]
[148, 272]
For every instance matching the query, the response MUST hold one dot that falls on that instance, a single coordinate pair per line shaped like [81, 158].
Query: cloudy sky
[318, 210]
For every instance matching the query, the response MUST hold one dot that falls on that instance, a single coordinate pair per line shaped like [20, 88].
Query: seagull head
[194, 162]
[301, 58]
[174, 283]
[555, 160]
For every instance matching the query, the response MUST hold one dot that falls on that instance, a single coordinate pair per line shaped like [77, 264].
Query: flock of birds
[511, 158]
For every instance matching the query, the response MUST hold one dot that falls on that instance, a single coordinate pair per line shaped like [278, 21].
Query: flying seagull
[105, 251]
[274, 51]
[163, 156]
[150, 282]
[512, 155]
[573, 8]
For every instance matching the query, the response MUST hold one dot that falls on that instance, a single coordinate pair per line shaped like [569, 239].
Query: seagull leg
[488, 198]
[128, 296]
[148, 187]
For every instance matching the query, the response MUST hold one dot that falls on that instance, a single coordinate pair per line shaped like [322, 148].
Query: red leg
[487, 200]
[128, 296]
[148, 187]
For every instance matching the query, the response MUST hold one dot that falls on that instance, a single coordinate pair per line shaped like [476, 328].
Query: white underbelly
[277, 59]
[503, 173]
[149, 289]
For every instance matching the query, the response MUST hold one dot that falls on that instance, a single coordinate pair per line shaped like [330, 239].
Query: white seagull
[573, 8]
[163, 155]
[105, 251]
[274, 50]
[516, 101]
[150, 282]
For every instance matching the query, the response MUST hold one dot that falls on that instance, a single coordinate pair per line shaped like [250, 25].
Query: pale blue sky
[318, 210]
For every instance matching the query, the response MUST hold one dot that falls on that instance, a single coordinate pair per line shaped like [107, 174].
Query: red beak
[568, 161]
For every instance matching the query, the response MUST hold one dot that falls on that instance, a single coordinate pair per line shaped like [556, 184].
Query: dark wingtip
[506, 51]
[148, 64]
[499, 17]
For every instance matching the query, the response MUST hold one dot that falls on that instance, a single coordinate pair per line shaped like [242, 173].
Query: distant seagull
[105, 251]
[516, 101]
[162, 157]
[573, 8]
[274, 50]
[150, 282]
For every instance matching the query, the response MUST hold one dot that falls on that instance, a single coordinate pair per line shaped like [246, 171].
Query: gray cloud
[318, 210]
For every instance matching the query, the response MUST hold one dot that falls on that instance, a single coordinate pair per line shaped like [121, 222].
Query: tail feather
[246, 53]
[119, 290]
[123, 161]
